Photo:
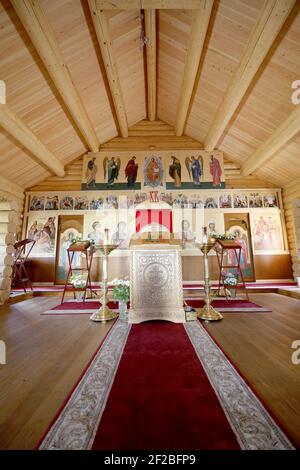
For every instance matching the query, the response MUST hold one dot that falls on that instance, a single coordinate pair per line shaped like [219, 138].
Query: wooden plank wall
[290, 193]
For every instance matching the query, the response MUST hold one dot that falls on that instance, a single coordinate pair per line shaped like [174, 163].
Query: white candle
[106, 236]
[205, 237]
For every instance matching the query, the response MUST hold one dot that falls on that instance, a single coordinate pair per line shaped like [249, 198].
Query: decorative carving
[156, 285]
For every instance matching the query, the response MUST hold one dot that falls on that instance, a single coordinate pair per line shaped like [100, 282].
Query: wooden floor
[46, 354]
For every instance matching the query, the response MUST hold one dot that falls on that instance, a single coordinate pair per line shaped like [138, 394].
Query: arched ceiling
[35, 99]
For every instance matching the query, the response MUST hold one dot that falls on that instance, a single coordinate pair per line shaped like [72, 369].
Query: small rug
[162, 386]
[71, 307]
[223, 305]
[90, 306]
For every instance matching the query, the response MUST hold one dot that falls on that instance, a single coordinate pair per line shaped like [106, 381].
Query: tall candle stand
[104, 313]
[208, 312]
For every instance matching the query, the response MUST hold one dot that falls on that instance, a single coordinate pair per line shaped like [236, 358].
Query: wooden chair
[87, 250]
[223, 247]
[22, 251]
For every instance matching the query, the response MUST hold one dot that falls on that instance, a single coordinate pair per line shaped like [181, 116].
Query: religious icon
[96, 234]
[91, 172]
[225, 201]
[81, 203]
[32, 230]
[52, 203]
[180, 201]
[255, 200]
[194, 166]
[215, 171]
[139, 198]
[267, 232]
[66, 203]
[196, 201]
[241, 240]
[131, 171]
[153, 171]
[96, 204]
[270, 200]
[66, 239]
[175, 172]
[111, 202]
[241, 237]
[212, 228]
[120, 237]
[188, 236]
[43, 233]
[37, 203]
[111, 167]
[240, 201]
[210, 203]
[166, 197]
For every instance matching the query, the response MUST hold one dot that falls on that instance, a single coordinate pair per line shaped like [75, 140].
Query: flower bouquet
[222, 236]
[79, 281]
[230, 281]
[121, 292]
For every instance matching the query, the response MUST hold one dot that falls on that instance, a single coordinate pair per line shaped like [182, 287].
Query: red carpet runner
[161, 397]
[162, 386]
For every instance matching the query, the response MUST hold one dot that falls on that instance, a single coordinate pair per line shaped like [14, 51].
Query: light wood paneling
[266, 105]
[290, 193]
[35, 21]
[125, 29]
[103, 34]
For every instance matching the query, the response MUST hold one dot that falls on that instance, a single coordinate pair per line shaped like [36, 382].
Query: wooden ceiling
[218, 71]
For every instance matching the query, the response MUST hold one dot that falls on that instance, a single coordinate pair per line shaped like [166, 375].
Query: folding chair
[22, 251]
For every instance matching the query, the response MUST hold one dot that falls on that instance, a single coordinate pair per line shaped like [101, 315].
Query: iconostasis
[191, 211]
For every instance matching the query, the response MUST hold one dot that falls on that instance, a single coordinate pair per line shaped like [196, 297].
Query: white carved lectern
[155, 278]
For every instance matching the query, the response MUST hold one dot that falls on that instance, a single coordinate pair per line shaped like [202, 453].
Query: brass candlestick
[104, 313]
[208, 312]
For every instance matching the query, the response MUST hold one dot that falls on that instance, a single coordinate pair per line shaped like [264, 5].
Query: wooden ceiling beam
[38, 29]
[270, 20]
[103, 35]
[21, 132]
[148, 4]
[150, 31]
[286, 131]
[197, 38]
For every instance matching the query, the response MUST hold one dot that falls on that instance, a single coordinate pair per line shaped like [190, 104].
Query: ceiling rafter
[38, 29]
[16, 127]
[150, 31]
[199, 29]
[270, 20]
[286, 131]
[104, 40]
